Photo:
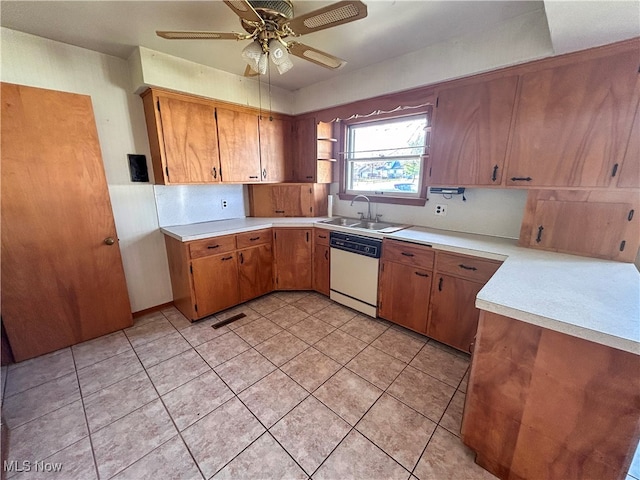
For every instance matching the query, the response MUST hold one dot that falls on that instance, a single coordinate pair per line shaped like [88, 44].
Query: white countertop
[593, 299]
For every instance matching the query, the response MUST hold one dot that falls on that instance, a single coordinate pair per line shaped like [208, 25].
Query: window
[385, 158]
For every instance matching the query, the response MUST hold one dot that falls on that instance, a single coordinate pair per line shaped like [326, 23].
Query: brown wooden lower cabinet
[255, 271]
[543, 404]
[454, 318]
[321, 261]
[215, 283]
[293, 268]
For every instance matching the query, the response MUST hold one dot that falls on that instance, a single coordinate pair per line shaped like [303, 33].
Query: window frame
[385, 197]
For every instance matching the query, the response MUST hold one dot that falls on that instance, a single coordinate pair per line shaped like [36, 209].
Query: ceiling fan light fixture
[252, 54]
[280, 56]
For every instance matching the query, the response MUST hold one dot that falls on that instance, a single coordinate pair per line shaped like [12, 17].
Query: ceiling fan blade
[199, 35]
[316, 56]
[327, 17]
[250, 72]
[244, 10]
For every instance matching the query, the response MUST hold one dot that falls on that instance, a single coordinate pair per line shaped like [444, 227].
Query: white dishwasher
[354, 271]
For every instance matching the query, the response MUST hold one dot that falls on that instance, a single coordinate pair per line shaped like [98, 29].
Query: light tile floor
[301, 387]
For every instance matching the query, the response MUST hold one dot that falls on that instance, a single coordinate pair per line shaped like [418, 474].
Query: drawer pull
[279, 211]
[521, 179]
[255, 177]
[322, 236]
[467, 268]
[253, 239]
[421, 274]
[210, 247]
[227, 258]
[407, 254]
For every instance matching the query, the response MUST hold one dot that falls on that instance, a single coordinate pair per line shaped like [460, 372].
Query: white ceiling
[392, 28]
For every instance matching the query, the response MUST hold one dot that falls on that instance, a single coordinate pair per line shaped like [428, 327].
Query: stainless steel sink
[343, 222]
[373, 225]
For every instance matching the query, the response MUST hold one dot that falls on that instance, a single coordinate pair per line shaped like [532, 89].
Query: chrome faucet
[368, 207]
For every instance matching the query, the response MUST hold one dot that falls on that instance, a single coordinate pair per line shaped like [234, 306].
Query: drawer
[408, 253]
[321, 236]
[257, 237]
[464, 266]
[212, 246]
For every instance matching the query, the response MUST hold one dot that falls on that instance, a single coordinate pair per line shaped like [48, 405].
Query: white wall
[486, 211]
[519, 40]
[151, 68]
[38, 62]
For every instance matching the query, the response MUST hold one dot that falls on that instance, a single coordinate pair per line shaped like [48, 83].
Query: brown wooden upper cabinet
[183, 140]
[572, 123]
[470, 133]
[197, 140]
[629, 175]
[313, 156]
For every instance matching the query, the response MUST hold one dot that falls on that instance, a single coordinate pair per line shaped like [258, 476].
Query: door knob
[109, 241]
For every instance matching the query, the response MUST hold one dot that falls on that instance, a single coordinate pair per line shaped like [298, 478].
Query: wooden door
[255, 271]
[470, 133]
[595, 229]
[630, 172]
[239, 146]
[190, 141]
[572, 122]
[293, 258]
[62, 279]
[321, 261]
[404, 295]
[215, 282]
[275, 148]
[453, 317]
[305, 158]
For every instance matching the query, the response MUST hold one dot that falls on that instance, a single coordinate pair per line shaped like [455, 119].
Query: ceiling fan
[270, 22]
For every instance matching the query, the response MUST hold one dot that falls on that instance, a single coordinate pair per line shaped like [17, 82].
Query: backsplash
[183, 204]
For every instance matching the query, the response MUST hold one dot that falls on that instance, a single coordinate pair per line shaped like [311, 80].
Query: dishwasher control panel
[367, 246]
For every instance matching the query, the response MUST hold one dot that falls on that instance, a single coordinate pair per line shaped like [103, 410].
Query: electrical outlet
[441, 210]
[224, 203]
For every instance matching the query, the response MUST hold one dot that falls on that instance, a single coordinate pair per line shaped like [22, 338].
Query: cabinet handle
[615, 170]
[322, 236]
[227, 258]
[253, 239]
[407, 254]
[307, 236]
[421, 274]
[279, 211]
[309, 177]
[210, 247]
[326, 254]
[214, 171]
[623, 243]
[467, 268]
[539, 237]
[494, 176]
[264, 173]
[521, 179]
[241, 258]
[255, 177]
[472, 346]
[630, 216]
[440, 284]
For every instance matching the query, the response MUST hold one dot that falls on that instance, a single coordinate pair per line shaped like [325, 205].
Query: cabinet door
[215, 283]
[453, 316]
[291, 200]
[321, 268]
[275, 148]
[190, 141]
[471, 129]
[404, 295]
[598, 229]
[255, 271]
[293, 258]
[305, 158]
[630, 171]
[239, 146]
[573, 122]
